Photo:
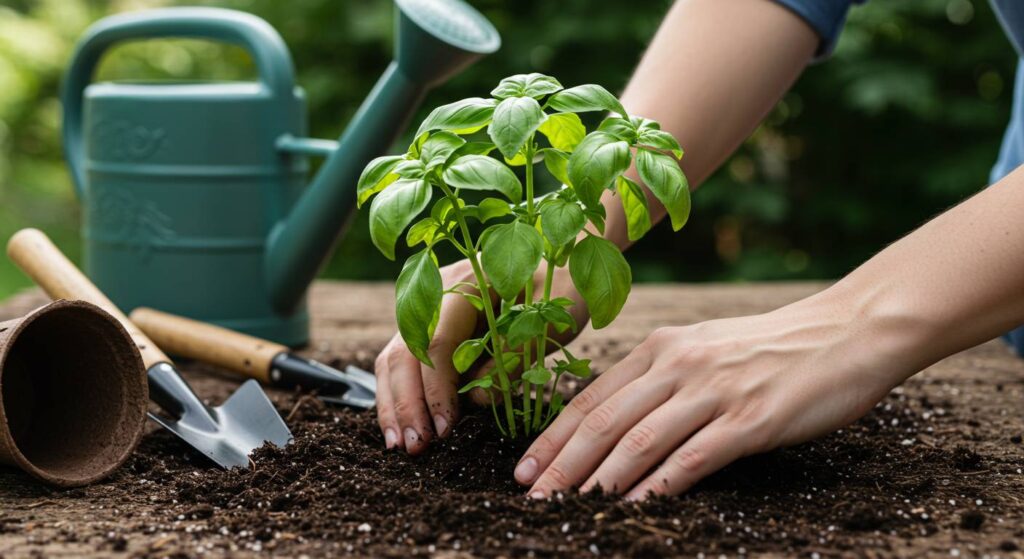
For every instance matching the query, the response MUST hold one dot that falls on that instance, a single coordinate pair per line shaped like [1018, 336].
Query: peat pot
[72, 393]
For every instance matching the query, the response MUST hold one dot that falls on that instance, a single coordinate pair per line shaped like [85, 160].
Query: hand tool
[271, 364]
[228, 433]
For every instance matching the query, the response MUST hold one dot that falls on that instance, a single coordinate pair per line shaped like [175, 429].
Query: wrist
[878, 328]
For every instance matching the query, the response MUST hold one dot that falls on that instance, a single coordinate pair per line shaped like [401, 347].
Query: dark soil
[336, 490]
[934, 470]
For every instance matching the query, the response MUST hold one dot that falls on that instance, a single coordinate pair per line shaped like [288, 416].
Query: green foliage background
[904, 120]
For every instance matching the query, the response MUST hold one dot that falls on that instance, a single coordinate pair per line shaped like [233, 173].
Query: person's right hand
[416, 403]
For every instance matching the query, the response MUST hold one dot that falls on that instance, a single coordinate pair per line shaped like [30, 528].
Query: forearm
[955, 282]
[710, 75]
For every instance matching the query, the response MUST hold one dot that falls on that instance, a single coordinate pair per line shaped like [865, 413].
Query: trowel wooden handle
[243, 354]
[38, 257]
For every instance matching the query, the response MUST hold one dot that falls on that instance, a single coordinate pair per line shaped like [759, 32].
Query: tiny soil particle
[972, 520]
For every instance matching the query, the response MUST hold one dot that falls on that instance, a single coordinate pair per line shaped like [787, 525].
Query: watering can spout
[435, 39]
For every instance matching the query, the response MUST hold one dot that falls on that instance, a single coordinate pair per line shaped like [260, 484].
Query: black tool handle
[170, 391]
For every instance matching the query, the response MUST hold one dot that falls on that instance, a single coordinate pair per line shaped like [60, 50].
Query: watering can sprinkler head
[437, 39]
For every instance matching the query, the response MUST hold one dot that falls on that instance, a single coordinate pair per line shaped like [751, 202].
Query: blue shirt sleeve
[826, 17]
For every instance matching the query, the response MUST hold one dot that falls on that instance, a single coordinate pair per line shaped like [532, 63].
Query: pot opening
[71, 392]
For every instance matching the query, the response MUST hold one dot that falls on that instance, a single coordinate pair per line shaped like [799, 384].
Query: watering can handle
[268, 50]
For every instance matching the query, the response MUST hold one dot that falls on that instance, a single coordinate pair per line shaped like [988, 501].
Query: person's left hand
[690, 400]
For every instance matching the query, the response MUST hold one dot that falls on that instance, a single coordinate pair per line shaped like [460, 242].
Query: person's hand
[416, 403]
[690, 400]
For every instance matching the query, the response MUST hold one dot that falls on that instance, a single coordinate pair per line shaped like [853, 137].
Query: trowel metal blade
[245, 422]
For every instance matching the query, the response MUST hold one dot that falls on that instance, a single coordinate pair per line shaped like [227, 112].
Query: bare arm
[713, 71]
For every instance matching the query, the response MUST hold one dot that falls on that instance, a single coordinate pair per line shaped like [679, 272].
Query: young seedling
[529, 118]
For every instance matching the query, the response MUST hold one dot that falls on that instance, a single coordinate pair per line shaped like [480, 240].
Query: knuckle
[689, 460]
[691, 355]
[408, 408]
[543, 445]
[557, 476]
[435, 391]
[440, 343]
[599, 422]
[639, 440]
[585, 401]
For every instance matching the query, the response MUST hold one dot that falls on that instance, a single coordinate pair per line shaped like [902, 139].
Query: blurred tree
[903, 121]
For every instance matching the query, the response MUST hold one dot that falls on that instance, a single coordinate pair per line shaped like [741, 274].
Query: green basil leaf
[659, 139]
[418, 293]
[511, 253]
[598, 159]
[513, 124]
[641, 123]
[511, 361]
[492, 208]
[475, 148]
[438, 147]
[634, 204]
[596, 215]
[479, 172]
[466, 114]
[483, 382]
[557, 163]
[663, 176]
[577, 368]
[376, 176]
[602, 276]
[423, 231]
[556, 314]
[526, 85]
[563, 130]
[620, 128]
[561, 221]
[537, 375]
[394, 209]
[584, 98]
[467, 353]
[528, 325]
[411, 169]
[539, 85]
[563, 302]
[474, 300]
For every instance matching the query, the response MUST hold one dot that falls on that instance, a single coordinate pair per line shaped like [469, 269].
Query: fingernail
[526, 470]
[411, 437]
[537, 495]
[390, 438]
[440, 425]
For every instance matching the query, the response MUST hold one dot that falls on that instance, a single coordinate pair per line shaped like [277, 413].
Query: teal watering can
[194, 195]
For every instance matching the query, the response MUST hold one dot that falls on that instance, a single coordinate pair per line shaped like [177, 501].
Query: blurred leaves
[904, 120]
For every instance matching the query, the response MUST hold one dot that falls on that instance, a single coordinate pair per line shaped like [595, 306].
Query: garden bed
[935, 468]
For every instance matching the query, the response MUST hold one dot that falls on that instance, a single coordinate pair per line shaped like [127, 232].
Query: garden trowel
[227, 434]
[270, 363]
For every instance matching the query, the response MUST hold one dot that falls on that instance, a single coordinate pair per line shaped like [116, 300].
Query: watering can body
[182, 188]
[195, 196]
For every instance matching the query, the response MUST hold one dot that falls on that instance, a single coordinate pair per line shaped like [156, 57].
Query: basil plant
[493, 145]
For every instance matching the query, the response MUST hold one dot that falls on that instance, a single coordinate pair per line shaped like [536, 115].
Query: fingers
[543, 451]
[709, 450]
[410, 405]
[597, 435]
[455, 324]
[647, 443]
[385, 403]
